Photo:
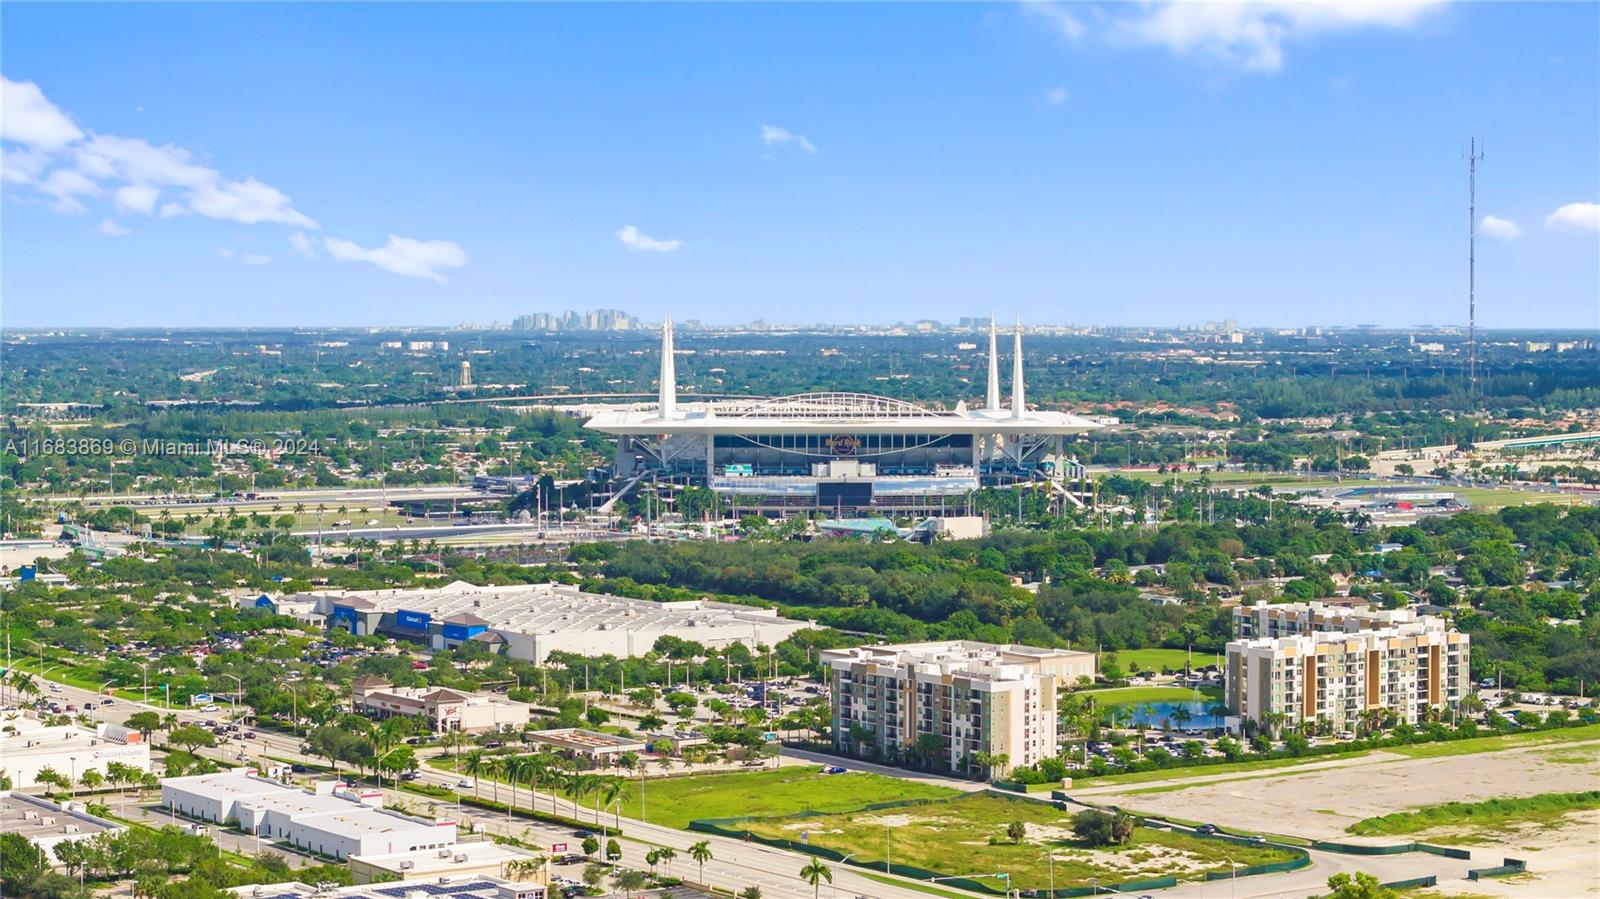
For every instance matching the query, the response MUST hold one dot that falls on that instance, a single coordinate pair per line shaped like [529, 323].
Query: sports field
[968, 836]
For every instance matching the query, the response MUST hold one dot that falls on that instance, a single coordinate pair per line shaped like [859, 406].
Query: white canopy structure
[837, 450]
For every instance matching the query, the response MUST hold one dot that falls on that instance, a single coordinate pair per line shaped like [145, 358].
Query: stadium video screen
[852, 493]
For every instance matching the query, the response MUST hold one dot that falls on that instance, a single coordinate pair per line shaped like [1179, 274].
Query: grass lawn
[1128, 695]
[1490, 814]
[1158, 659]
[1244, 478]
[1503, 741]
[774, 792]
[1489, 498]
[968, 836]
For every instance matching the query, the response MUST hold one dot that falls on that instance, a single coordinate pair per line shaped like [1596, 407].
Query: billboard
[844, 493]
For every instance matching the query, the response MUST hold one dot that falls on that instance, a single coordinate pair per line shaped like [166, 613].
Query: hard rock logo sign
[844, 444]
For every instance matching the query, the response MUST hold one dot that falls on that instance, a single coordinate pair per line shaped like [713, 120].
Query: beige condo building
[943, 704]
[1337, 676]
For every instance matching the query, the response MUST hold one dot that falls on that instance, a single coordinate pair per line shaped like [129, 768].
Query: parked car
[833, 769]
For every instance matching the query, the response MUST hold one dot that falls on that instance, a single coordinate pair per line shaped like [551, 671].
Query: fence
[1428, 881]
[733, 828]
[1510, 866]
[1019, 787]
[1395, 849]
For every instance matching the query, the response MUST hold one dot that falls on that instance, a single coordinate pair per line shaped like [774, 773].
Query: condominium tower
[945, 705]
[1336, 668]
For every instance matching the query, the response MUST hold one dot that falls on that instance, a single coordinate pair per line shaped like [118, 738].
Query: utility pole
[1473, 155]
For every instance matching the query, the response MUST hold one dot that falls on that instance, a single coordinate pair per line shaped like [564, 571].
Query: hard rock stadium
[845, 452]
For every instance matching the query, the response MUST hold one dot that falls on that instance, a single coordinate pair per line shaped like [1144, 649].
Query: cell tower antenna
[1474, 153]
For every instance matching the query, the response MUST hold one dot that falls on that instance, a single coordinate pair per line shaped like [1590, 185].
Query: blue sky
[214, 164]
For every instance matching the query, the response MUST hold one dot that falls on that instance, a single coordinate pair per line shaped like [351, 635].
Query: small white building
[46, 824]
[216, 797]
[470, 887]
[331, 820]
[69, 750]
[485, 858]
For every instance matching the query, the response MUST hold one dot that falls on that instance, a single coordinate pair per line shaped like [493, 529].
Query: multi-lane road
[737, 864]
[734, 863]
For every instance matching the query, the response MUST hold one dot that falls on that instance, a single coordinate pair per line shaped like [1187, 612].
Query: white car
[211, 708]
[466, 783]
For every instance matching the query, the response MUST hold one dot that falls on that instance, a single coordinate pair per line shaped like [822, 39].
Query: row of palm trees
[22, 686]
[544, 771]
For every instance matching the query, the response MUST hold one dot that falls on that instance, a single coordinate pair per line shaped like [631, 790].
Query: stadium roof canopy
[834, 412]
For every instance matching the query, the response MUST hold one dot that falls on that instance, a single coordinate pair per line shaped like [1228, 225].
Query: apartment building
[1287, 619]
[942, 705]
[1337, 676]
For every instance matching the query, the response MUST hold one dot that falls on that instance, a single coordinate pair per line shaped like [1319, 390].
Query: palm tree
[667, 854]
[701, 853]
[512, 768]
[475, 766]
[611, 789]
[814, 873]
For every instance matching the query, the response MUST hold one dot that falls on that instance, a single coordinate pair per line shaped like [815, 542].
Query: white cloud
[1575, 217]
[249, 202]
[302, 244]
[134, 171]
[773, 135]
[243, 258]
[1499, 228]
[139, 198]
[1056, 96]
[66, 186]
[1055, 17]
[402, 255]
[22, 166]
[110, 228]
[1248, 35]
[33, 120]
[634, 239]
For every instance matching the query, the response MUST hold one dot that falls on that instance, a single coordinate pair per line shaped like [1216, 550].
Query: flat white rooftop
[556, 608]
[461, 857]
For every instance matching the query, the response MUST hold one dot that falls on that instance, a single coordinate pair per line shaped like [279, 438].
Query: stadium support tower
[845, 453]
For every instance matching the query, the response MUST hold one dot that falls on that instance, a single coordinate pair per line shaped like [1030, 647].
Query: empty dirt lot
[1321, 803]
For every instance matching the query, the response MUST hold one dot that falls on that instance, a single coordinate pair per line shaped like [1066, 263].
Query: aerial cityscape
[974, 451]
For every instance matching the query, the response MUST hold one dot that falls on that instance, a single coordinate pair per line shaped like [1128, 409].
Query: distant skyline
[1282, 164]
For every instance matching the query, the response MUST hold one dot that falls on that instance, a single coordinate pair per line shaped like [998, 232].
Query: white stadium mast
[991, 400]
[1018, 395]
[667, 406]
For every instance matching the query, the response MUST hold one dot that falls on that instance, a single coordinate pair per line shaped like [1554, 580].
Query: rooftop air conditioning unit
[407, 865]
[48, 821]
[71, 828]
[460, 857]
[444, 853]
